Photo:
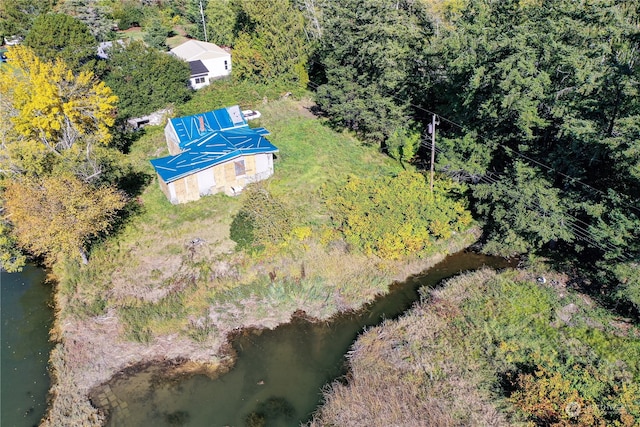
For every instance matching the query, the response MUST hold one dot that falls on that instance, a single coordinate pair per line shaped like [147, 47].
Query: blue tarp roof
[209, 139]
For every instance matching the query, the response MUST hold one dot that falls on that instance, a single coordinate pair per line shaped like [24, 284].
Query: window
[226, 65]
[240, 167]
[200, 80]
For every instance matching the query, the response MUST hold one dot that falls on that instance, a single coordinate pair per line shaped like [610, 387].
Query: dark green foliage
[241, 232]
[145, 79]
[369, 58]
[263, 219]
[128, 13]
[17, 16]
[189, 10]
[221, 19]
[525, 209]
[95, 15]
[156, 34]
[62, 36]
[270, 43]
[554, 86]
[540, 107]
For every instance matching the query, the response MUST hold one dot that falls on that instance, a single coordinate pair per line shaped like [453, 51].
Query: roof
[193, 50]
[105, 47]
[198, 68]
[210, 139]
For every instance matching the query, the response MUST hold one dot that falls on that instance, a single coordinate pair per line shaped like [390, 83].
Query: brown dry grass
[153, 258]
[406, 373]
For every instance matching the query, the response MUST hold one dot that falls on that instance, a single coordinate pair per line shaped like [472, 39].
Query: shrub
[394, 216]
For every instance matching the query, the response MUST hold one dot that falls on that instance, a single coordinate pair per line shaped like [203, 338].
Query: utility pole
[432, 130]
[204, 26]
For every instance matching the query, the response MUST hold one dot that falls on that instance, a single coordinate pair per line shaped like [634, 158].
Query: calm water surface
[26, 319]
[279, 374]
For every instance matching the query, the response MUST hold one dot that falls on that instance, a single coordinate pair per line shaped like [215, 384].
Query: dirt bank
[92, 351]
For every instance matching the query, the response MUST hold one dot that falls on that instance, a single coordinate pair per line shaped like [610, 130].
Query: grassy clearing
[132, 34]
[169, 282]
[143, 264]
[493, 349]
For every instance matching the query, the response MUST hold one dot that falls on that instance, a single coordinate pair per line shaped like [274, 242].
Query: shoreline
[90, 354]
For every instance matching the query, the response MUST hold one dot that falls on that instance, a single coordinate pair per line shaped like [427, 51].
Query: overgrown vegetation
[538, 110]
[396, 216]
[538, 107]
[493, 349]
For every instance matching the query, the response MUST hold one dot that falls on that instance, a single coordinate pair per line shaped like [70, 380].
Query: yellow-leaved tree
[47, 109]
[57, 216]
[54, 147]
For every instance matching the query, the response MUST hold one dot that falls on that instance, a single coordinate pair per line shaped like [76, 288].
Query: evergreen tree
[59, 36]
[271, 44]
[145, 79]
[368, 57]
[17, 16]
[93, 13]
[221, 20]
[156, 34]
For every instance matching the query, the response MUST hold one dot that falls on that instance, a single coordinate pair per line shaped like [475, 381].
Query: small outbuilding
[207, 61]
[213, 152]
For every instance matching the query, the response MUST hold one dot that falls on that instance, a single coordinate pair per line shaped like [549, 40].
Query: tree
[93, 13]
[526, 212]
[128, 13]
[368, 55]
[59, 36]
[11, 259]
[222, 19]
[57, 216]
[145, 79]
[270, 44]
[49, 113]
[17, 16]
[553, 86]
[156, 34]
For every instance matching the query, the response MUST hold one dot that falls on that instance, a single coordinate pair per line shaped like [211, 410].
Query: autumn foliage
[396, 216]
[56, 217]
[47, 103]
[55, 128]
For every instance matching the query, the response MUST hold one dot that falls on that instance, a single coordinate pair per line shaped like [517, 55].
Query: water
[279, 374]
[26, 319]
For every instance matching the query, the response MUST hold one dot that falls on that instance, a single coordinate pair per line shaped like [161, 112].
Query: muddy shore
[91, 353]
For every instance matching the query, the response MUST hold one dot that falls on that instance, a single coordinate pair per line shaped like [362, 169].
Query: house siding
[165, 189]
[172, 140]
[216, 67]
[219, 178]
[186, 189]
[206, 182]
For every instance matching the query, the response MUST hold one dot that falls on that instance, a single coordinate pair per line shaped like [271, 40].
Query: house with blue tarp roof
[213, 152]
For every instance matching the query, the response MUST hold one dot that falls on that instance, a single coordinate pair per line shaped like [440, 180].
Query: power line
[569, 221]
[578, 231]
[463, 128]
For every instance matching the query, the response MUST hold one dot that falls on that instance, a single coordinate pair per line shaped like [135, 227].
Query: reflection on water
[26, 319]
[279, 374]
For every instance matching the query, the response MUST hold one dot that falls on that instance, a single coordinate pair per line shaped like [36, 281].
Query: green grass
[496, 349]
[133, 34]
[135, 270]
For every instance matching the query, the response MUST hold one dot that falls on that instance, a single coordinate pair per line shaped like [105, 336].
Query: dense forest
[534, 106]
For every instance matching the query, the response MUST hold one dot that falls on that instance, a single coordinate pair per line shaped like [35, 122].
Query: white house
[207, 61]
